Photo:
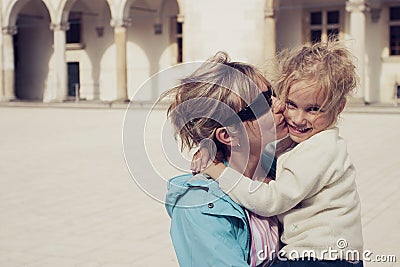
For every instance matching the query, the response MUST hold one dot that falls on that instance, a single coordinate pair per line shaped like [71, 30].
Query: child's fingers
[277, 105]
[195, 165]
[194, 158]
[205, 157]
[201, 159]
[192, 165]
[204, 163]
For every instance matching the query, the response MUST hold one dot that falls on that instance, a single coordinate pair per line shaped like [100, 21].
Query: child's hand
[266, 180]
[214, 170]
[278, 107]
[201, 159]
[283, 145]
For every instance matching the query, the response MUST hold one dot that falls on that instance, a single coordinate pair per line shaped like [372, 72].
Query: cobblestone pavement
[67, 198]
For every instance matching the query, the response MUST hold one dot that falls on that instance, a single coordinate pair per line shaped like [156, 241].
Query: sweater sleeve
[304, 173]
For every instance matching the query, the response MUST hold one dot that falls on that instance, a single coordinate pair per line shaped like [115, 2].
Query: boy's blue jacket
[207, 227]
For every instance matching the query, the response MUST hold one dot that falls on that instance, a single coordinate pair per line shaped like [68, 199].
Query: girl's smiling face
[304, 113]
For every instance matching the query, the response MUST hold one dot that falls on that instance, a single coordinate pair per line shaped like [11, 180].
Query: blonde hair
[327, 65]
[210, 95]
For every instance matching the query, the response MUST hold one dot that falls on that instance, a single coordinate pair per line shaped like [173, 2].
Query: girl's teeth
[301, 130]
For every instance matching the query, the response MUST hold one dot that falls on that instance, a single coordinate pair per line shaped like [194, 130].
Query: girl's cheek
[286, 114]
[321, 121]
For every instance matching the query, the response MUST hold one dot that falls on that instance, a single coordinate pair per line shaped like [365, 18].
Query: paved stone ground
[67, 199]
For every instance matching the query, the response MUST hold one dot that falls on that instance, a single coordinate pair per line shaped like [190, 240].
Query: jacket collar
[221, 203]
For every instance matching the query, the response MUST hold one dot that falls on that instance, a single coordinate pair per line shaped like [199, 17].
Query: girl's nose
[298, 117]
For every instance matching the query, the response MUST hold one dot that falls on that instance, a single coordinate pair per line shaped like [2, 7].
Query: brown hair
[209, 96]
[328, 65]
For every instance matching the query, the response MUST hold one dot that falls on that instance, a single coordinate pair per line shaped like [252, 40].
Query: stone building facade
[53, 50]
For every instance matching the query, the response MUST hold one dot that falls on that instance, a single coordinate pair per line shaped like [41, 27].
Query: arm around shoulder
[269, 199]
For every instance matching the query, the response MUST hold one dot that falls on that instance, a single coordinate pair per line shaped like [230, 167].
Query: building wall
[374, 46]
[235, 26]
[149, 53]
[289, 27]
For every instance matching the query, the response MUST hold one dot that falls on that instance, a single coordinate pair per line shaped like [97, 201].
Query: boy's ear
[222, 135]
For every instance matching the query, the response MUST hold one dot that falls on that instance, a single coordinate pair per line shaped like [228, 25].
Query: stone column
[59, 90]
[121, 67]
[1, 60]
[8, 63]
[357, 10]
[2, 98]
[269, 33]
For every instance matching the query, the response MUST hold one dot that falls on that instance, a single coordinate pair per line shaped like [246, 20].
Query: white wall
[373, 61]
[96, 63]
[289, 28]
[235, 26]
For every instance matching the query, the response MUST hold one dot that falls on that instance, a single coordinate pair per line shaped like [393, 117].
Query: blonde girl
[315, 193]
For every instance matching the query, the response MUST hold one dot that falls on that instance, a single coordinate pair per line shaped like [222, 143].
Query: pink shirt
[264, 238]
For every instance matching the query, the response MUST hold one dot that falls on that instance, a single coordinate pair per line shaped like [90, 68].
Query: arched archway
[125, 12]
[89, 36]
[155, 30]
[66, 6]
[15, 6]
[31, 45]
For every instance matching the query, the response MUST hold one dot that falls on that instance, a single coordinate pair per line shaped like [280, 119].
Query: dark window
[395, 13]
[398, 91]
[73, 79]
[176, 35]
[333, 34]
[75, 24]
[395, 40]
[316, 18]
[324, 25]
[394, 31]
[179, 28]
[179, 41]
[333, 17]
[316, 36]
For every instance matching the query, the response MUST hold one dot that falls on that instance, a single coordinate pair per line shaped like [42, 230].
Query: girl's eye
[314, 109]
[290, 104]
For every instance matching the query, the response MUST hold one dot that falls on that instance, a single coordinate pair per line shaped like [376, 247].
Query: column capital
[120, 22]
[269, 12]
[59, 27]
[11, 30]
[356, 6]
[180, 18]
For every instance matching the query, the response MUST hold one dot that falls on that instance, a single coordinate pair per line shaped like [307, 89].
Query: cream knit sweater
[315, 196]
